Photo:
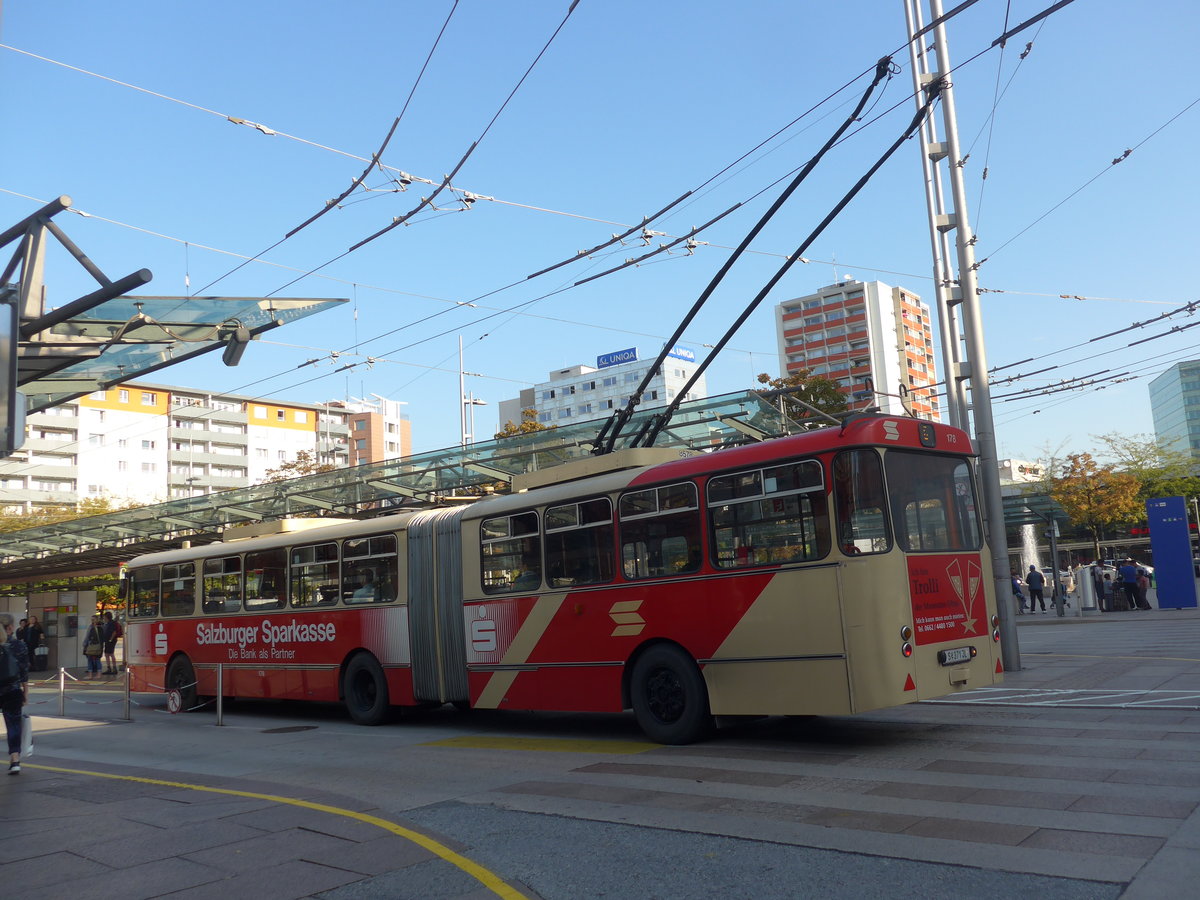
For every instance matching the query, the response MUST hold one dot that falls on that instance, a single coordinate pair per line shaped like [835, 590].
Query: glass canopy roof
[427, 479]
[131, 336]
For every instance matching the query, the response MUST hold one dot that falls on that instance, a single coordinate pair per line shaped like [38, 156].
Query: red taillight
[996, 635]
[907, 649]
[995, 620]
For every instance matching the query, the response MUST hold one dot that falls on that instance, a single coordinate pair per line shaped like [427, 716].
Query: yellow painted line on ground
[549, 745]
[488, 879]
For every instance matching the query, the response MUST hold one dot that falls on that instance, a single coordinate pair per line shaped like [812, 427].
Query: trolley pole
[967, 295]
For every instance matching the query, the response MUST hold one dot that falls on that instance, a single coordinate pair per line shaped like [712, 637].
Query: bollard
[62, 692]
[220, 694]
[128, 712]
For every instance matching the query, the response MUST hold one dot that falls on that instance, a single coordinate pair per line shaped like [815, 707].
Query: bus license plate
[955, 656]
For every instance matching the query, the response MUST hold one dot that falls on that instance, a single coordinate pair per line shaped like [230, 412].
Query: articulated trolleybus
[831, 572]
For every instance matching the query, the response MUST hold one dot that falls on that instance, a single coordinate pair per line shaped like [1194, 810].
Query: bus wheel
[366, 691]
[182, 677]
[669, 697]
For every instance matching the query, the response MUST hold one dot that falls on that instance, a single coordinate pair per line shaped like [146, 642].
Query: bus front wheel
[669, 696]
[182, 677]
[366, 690]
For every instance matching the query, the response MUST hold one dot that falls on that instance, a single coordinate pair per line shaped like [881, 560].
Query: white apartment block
[581, 393]
[146, 443]
[851, 331]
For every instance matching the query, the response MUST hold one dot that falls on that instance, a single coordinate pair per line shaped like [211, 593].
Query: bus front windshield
[933, 502]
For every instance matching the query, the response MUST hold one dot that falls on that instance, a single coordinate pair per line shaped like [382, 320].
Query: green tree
[1162, 470]
[1095, 496]
[528, 425]
[802, 388]
[49, 515]
[305, 463]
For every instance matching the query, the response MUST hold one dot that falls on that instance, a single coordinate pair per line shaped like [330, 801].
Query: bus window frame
[227, 605]
[326, 593]
[169, 607]
[740, 494]
[635, 526]
[588, 568]
[844, 530]
[961, 517]
[379, 561]
[136, 606]
[252, 567]
[529, 577]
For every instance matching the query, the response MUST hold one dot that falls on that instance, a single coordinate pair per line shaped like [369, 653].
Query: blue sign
[680, 352]
[1172, 546]
[615, 359]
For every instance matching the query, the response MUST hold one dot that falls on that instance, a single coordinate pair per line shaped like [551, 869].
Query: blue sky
[630, 106]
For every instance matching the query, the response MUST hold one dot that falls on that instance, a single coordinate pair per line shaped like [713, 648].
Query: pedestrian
[93, 647]
[1098, 577]
[1017, 595]
[14, 692]
[108, 631]
[35, 641]
[1143, 585]
[1035, 580]
[22, 632]
[1128, 573]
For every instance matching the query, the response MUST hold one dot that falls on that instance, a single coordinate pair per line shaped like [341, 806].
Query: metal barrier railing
[174, 702]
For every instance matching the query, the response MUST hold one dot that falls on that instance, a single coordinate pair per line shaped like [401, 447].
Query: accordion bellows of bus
[826, 573]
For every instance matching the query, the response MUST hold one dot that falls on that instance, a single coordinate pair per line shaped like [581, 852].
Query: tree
[1162, 470]
[49, 515]
[305, 463]
[1095, 496]
[823, 393]
[529, 424]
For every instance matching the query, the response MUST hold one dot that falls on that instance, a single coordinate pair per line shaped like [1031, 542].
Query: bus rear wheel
[669, 696]
[182, 677]
[365, 690]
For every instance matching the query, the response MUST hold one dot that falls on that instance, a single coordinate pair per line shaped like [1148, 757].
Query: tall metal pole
[462, 397]
[976, 362]
[932, 152]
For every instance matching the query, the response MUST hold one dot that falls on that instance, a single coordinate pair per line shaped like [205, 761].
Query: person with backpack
[14, 692]
[110, 631]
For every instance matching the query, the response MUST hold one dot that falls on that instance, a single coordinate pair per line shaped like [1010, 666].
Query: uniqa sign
[614, 359]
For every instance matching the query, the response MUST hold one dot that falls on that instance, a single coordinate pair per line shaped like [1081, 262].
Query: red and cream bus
[831, 572]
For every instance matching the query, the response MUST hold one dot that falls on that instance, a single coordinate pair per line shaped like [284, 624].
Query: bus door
[435, 600]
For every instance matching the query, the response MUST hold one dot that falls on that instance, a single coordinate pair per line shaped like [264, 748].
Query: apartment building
[147, 443]
[853, 331]
[583, 392]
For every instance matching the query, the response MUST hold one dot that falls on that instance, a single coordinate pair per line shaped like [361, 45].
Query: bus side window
[579, 543]
[769, 516]
[144, 592]
[315, 578]
[660, 531]
[266, 579]
[222, 584]
[179, 589]
[510, 553]
[369, 569]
